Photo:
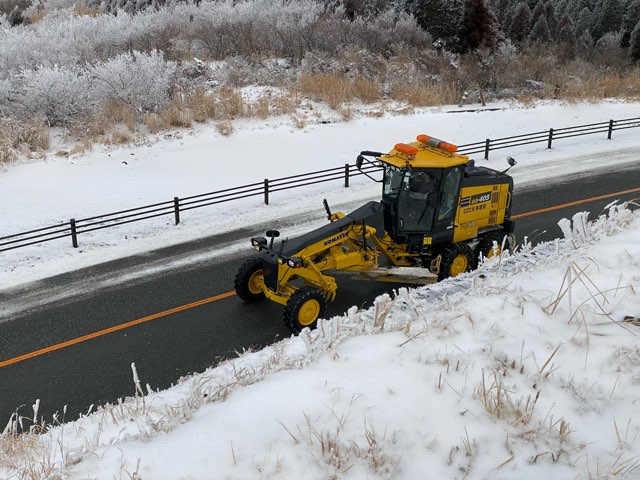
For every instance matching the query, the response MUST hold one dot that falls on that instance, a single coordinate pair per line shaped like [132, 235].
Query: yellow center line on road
[205, 301]
[115, 328]
[573, 204]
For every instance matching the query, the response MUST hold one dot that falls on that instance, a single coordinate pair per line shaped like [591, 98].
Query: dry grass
[202, 105]
[81, 9]
[176, 115]
[601, 87]
[22, 137]
[497, 402]
[366, 90]
[116, 112]
[154, 122]
[326, 87]
[230, 103]
[224, 128]
[425, 94]
[119, 137]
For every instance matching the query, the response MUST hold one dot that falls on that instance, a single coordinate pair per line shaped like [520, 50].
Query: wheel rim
[493, 251]
[309, 312]
[459, 265]
[255, 282]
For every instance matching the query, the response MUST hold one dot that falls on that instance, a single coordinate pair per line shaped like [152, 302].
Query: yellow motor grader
[438, 215]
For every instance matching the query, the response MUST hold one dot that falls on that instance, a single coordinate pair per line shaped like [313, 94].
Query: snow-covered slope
[526, 368]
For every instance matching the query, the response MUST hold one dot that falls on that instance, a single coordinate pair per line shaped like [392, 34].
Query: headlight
[294, 262]
[259, 243]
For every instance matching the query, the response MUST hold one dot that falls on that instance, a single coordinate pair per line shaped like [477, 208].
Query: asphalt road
[97, 370]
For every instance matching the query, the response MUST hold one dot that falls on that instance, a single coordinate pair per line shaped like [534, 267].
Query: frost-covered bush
[50, 5]
[56, 93]
[59, 93]
[141, 80]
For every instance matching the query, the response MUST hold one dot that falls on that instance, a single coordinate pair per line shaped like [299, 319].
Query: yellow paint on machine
[479, 207]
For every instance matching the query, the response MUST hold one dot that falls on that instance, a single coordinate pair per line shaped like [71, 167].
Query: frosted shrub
[56, 93]
[139, 79]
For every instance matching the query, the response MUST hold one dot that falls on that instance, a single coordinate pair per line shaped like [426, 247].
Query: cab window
[450, 186]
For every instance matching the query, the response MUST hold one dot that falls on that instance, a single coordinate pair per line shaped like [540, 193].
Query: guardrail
[74, 227]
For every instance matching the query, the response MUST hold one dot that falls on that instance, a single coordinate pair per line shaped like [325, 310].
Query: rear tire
[248, 280]
[457, 258]
[485, 246]
[304, 308]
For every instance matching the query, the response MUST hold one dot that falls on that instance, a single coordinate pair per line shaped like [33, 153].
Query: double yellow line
[205, 301]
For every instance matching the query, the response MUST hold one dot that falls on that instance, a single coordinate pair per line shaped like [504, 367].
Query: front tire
[485, 246]
[457, 259]
[304, 308]
[249, 279]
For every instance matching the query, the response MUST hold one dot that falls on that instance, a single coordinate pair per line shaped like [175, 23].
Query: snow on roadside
[192, 162]
[526, 368]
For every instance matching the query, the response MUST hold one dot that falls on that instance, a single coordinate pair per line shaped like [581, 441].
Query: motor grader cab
[438, 215]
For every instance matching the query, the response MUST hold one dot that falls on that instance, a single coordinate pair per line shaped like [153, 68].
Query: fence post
[266, 191]
[487, 147]
[550, 138]
[74, 233]
[346, 175]
[176, 209]
[610, 129]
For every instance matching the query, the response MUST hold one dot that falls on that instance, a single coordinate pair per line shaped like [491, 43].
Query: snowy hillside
[526, 368]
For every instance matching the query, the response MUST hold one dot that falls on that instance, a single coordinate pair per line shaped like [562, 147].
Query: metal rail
[175, 207]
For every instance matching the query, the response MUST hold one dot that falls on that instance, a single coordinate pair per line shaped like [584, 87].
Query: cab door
[448, 199]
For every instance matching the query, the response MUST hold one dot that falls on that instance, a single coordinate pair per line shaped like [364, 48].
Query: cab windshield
[394, 177]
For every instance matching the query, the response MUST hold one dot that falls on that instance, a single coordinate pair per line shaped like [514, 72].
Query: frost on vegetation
[531, 360]
[58, 93]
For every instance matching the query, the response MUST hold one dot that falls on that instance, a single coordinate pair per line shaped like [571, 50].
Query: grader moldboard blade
[409, 275]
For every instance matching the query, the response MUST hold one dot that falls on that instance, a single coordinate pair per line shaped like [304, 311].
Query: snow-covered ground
[527, 368]
[182, 163]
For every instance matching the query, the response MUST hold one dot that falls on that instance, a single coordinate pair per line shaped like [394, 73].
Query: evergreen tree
[521, 23]
[574, 7]
[552, 20]
[584, 44]
[441, 18]
[609, 15]
[585, 21]
[629, 21]
[502, 11]
[566, 32]
[540, 32]
[537, 12]
[479, 26]
[634, 43]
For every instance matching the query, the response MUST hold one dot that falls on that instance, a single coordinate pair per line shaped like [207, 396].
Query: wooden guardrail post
[266, 191]
[487, 147]
[74, 233]
[176, 209]
[550, 138]
[346, 175]
[610, 129]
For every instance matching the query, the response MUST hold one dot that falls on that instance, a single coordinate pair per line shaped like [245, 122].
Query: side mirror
[511, 161]
[359, 161]
[272, 234]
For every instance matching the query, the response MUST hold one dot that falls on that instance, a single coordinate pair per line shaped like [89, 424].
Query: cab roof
[426, 157]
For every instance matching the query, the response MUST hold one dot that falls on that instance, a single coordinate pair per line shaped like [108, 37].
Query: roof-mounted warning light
[409, 150]
[437, 143]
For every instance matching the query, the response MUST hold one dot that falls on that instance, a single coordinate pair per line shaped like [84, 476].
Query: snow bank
[526, 368]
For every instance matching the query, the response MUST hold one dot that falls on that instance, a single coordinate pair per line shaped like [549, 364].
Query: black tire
[244, 282]
[485, 245]
[457, 258]
[304, 308]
